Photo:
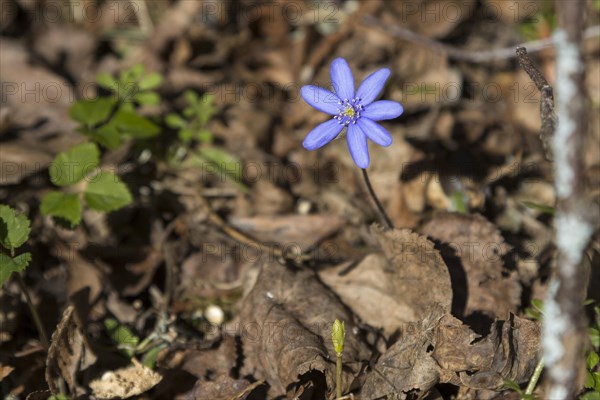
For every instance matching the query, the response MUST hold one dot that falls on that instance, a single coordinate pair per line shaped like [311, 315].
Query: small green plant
[130, 345]
[106, 121]
[338, 336]
[536, 311]
[195, 147]
[133, 86]
[592, 379]
[14, 232]
[542, 24]
[191, 123]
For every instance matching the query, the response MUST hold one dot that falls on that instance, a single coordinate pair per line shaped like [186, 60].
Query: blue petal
[382, 109]
[370, 88]
[321, 99]
[322, 134]
[357, 143]
[342, 79]
[375, 132]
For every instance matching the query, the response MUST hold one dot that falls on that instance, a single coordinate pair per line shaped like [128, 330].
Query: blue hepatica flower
[355, 110]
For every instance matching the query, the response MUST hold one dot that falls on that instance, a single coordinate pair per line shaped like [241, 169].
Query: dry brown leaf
[442, 349]
[386, 290]
[5, 370]
[40, 99]
[433, 18]
[406, 370]
[474, 251]
[285, 325]
[293, 232]
[39, 395]
[224, 388]
[125, 382]
[203, 364]
[68, 352]
[509, 352]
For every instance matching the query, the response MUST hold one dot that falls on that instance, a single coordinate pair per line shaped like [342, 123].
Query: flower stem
[338, 376]
[382, 212]
[535, 377]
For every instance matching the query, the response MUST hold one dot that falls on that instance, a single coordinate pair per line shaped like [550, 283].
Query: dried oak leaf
[125, 382]
[510, 351]
[224, 388]
[406, 370]
[68, 352]
[474, 251]
[285, 327]
[386, 289]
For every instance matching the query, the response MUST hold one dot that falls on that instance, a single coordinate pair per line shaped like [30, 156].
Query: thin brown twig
[548, 117]
[455, 53]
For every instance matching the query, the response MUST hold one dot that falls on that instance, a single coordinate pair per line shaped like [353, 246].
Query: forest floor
[221, 272]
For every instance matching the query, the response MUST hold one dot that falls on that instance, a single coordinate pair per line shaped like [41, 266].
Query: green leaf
[108, 136]
[590, 396]
[150, 357]
[592, 359]
[14, 228]
[174, 121]
[92, 112]
[62, 205]
[106, 192]
[224, 161]
[121, 335]
[538, 304]
[72, 166]
[590, 382]
[185, 135]
[138, 127]
[150, 81]
[8, 265]
[594, 381]
[191, 97]
[147, 98]
[107, 81]
[457, 199]
[204, 136]
[539, 207]
[512, 385]
[594, 335]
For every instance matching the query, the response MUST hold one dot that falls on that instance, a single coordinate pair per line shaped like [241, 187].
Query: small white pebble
[107, 376]
[304, 207]
[214, 314]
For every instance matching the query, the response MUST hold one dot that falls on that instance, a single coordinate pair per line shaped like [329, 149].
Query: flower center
[349, 111]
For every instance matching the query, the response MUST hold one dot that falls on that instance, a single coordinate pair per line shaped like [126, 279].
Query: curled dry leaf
[474, 251]
[125, 382]
[509, 352]
[68, 352]
[441, 349]
[285, 327]
[386, 289]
